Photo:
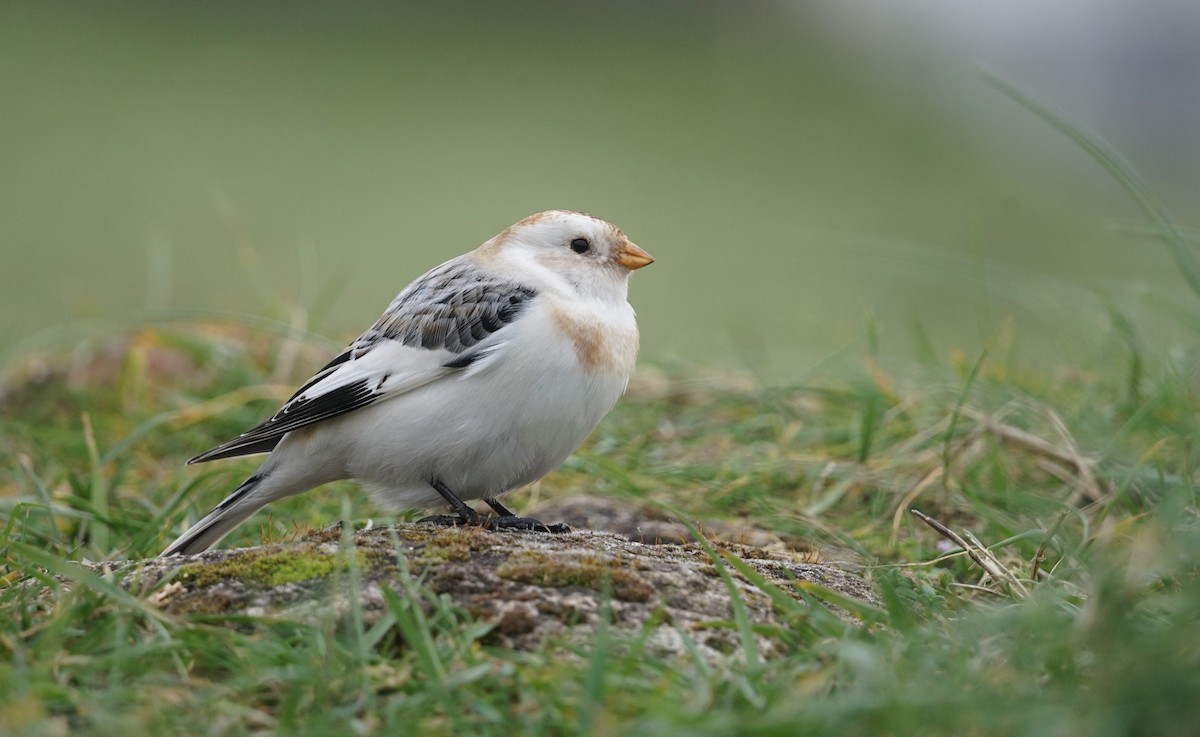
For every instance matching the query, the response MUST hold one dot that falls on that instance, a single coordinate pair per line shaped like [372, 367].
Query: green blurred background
[800, 170]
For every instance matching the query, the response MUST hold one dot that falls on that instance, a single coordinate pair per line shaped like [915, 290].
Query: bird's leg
[509, 520]
[499, 508]
[466, 515]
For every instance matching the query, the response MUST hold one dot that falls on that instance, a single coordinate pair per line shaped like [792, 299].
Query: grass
[1077, 489]
[1077, 469]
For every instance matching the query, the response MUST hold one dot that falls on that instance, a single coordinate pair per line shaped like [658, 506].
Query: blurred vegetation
[243, 171]
[178, 161]
[1081, 484]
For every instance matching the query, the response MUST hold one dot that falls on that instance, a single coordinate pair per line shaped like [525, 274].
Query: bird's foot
[510, 520]
[525, 523]
[494, 523]
[466, 516]
[447, 520]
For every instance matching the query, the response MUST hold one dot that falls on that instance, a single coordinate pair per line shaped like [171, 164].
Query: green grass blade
[27, 556]
[740, 617]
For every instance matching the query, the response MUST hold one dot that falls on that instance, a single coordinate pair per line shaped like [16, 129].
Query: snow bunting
[481, 377]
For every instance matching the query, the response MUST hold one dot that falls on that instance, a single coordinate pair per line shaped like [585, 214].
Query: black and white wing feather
[439, 325]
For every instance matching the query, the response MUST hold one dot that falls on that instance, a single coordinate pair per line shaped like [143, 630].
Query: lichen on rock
[529, 587]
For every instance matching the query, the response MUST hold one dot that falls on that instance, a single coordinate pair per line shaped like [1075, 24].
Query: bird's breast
[603, 341]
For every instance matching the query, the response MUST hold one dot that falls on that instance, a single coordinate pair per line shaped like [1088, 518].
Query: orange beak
[632, 257]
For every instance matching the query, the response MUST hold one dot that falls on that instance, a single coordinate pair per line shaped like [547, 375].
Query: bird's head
[591, 254]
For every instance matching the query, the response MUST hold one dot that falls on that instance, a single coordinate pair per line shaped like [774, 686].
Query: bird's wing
[438, 326]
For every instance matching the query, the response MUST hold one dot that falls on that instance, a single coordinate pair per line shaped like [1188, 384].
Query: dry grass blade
[911, 497]
[1085, 479]
[1088, 486]
[978, 552]
[996, 568]
[963, 452]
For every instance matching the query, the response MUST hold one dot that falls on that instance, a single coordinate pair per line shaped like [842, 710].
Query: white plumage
[481, 377]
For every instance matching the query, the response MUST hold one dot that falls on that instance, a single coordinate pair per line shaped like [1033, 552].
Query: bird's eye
[581, 245]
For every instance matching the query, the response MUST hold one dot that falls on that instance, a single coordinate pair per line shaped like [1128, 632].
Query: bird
[482, 376]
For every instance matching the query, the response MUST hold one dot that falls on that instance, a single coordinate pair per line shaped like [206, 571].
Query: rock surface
[530, 587]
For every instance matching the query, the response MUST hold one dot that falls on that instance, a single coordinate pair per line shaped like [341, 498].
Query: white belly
[493, 428]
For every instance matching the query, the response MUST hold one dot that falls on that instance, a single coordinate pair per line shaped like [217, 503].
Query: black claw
[525, 523]
[509, 520]
[495, 523]
[468, 516]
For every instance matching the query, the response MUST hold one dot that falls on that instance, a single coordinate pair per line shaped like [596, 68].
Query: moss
[331, 534]
[267, 568]
[444, 545]
[721, 645]
[517, 620]
[205, 602]
[590, 572]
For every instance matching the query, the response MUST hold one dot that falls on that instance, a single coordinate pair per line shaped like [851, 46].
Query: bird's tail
[218, 523]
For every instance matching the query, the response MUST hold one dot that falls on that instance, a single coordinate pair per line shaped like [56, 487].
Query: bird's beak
[632, 257]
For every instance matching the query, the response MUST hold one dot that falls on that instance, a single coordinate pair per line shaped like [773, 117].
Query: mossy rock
[531, 587]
